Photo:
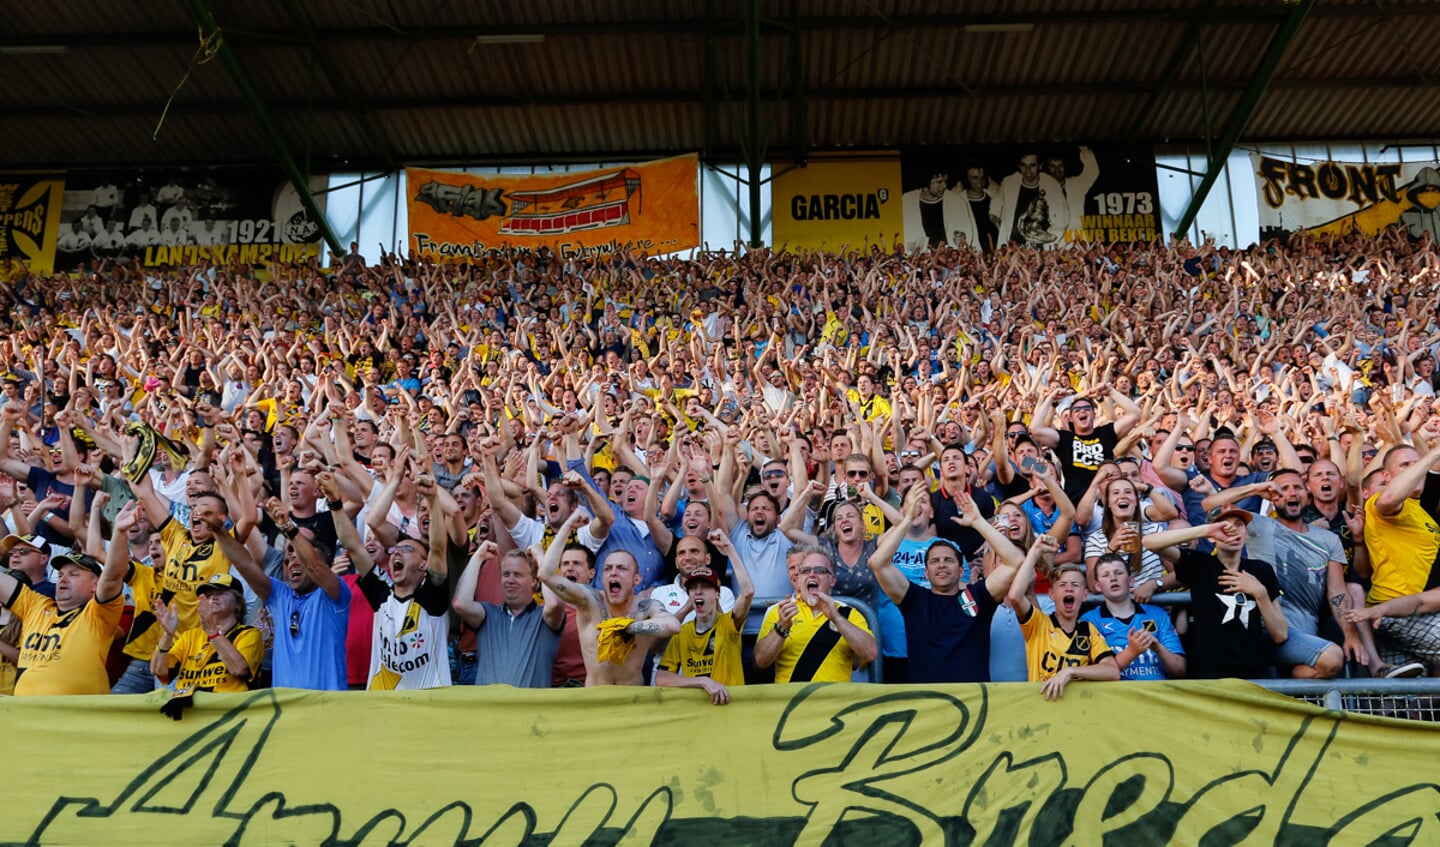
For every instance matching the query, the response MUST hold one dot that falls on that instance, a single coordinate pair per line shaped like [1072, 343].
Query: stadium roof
[350, 83]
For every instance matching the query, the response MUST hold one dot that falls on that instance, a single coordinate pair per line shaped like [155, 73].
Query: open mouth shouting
[1069, 604]
[615, 590]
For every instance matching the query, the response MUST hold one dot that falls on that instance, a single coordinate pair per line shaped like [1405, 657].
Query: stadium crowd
[541, 471]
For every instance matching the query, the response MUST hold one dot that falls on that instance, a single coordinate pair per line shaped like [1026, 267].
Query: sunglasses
[773, 474]
[857, 474]
[1184, 448]
[295, 624]
[1082, 408]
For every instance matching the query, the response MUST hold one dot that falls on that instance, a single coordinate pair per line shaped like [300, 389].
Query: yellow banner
[30, 219]
[652, 208]
[836, 201]
[1112, 763]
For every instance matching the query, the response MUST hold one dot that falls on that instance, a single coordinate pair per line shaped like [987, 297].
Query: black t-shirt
[968, 540]
[932, 220]
[1081, 456]
[1023, 201]
[1227, 636]
[948, 638]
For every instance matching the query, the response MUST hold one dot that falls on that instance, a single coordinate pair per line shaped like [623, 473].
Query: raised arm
[1022, 579]
[881, 561]
[582, 597]
[470, 610]
[345, 530]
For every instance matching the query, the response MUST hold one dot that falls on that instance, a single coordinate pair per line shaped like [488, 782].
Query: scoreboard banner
[652, 207]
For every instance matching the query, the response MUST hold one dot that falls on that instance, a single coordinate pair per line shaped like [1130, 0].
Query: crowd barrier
[1135, 764]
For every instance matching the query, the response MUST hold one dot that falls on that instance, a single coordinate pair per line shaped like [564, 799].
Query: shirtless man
[649, 623]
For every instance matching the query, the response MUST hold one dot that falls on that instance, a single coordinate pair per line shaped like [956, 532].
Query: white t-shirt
[408, 648]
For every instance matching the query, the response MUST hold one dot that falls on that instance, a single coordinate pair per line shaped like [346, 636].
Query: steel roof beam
[1229, 15]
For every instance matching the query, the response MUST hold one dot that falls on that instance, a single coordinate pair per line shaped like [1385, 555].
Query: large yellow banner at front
[651, 208]
[834, 201]
[1132, 764]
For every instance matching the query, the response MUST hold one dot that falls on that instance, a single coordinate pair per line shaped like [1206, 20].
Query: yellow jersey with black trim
[187, 564]
[408, 643]
[875, 407]
[63, 652]
[815, 651]
[202, 669]
[1050, 649]
[714, 653]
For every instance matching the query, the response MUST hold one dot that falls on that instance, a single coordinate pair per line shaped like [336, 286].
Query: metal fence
[1408, 699]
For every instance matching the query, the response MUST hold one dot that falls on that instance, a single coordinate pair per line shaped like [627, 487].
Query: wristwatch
[1159, 584]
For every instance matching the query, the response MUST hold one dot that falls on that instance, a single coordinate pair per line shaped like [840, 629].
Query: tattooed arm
[652, 619]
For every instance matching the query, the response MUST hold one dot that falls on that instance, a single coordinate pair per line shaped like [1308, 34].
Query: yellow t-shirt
[796, 662]
[714, 653]
[64, 652]
[1402, 549]
[875, 407]
[202, 669]
[187, 564]
[1049, 649]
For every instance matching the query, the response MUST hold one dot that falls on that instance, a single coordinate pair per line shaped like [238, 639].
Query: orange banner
[652, 208]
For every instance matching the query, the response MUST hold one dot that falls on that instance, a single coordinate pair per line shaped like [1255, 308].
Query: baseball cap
[704, 575]
[33, 541]
[219, 582]
[1231, 511]
[79, 560]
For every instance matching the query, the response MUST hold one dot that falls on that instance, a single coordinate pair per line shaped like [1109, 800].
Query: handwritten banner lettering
[1217, 762]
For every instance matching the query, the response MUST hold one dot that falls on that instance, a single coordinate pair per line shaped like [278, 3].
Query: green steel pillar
[1235, 126]
[754, 143]
[206, 18]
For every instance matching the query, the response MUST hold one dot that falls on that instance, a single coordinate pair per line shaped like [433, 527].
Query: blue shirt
[624, 535]
[1116, 632]
[309, 637]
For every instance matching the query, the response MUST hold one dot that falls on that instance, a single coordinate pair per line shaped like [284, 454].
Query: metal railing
[1408, 699]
